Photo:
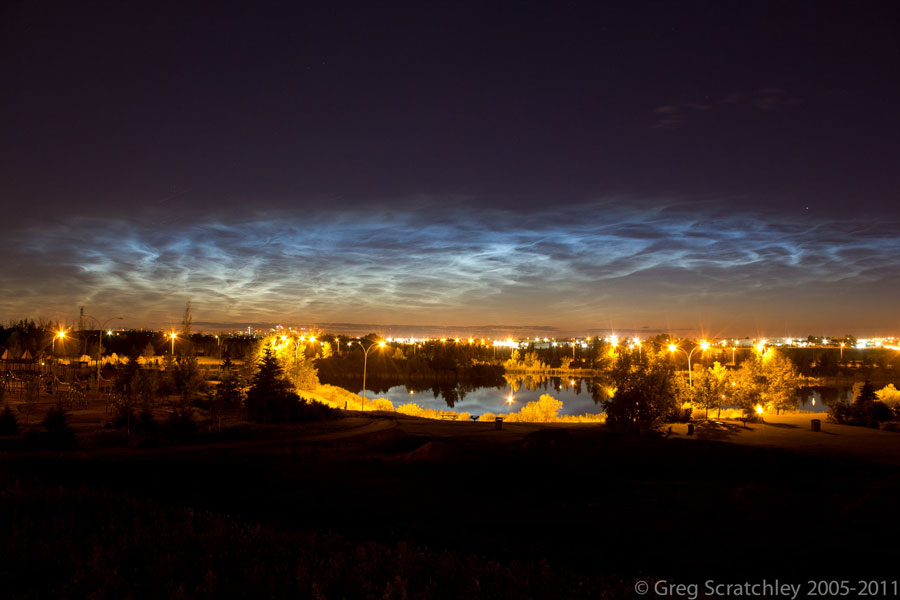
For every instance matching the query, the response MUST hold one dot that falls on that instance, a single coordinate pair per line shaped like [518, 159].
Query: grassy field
[383, 505]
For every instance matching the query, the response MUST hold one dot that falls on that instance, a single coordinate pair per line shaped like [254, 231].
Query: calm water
[576, 395]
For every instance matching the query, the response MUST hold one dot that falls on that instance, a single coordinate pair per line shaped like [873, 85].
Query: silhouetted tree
[228, 395]
[269, 390]
[59, 433]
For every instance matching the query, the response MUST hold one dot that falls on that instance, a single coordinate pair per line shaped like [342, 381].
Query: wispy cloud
[675, 115]
[577, 264]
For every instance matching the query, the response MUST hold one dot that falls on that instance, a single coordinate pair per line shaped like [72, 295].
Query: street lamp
[102, 326]
[362, 402]
[172, 337]
[704, 345]
[61, 335]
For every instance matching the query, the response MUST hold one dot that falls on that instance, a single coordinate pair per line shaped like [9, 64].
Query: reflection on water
[578, 395]
[818, 398]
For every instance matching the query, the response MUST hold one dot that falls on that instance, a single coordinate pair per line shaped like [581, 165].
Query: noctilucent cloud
[692, 167]
[676, 266]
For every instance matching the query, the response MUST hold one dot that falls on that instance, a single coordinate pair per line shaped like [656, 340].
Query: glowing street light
[101, 327]
[381, 344]
[172, 336]
[60, 335]
[704, 345]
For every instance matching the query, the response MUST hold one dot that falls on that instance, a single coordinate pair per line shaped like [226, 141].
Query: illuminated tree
[711, 387]
[296, 355]
[644, 393]
[768, 378]
[782, 380]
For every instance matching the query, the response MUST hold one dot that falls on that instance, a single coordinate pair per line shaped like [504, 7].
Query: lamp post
[59, 335]
[704, 345]
[362, 402]
[172, 337]
[102, 326]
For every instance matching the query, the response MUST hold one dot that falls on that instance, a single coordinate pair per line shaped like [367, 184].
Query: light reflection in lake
[578, 395]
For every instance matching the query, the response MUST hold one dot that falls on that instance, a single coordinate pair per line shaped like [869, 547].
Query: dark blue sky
[580, 165]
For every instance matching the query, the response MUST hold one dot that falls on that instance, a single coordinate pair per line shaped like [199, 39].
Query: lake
[576, 395]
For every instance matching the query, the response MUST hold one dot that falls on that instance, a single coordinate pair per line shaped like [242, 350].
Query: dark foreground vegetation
[391, 515]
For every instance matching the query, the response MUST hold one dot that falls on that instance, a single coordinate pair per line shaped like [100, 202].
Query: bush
[840, 412]
[59, 434]
[9, 424]
[383, 404]
[865, 410]
[146, 422]
[180, 425]
[545, 410]
[679, 415]
[123, 415]
[890, 395]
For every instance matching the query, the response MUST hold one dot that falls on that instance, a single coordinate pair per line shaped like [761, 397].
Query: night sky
[726, 168]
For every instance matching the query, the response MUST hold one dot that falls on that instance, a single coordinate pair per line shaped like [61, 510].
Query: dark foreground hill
[379, 508]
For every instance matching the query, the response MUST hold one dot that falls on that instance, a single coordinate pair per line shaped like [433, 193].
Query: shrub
[9, 424]
[59, 434]
[544, 410]
[679, 414]
[890, 395]
[146, 422]
[840, 412]
[383, 404]
[180, 425]
[865, 410]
